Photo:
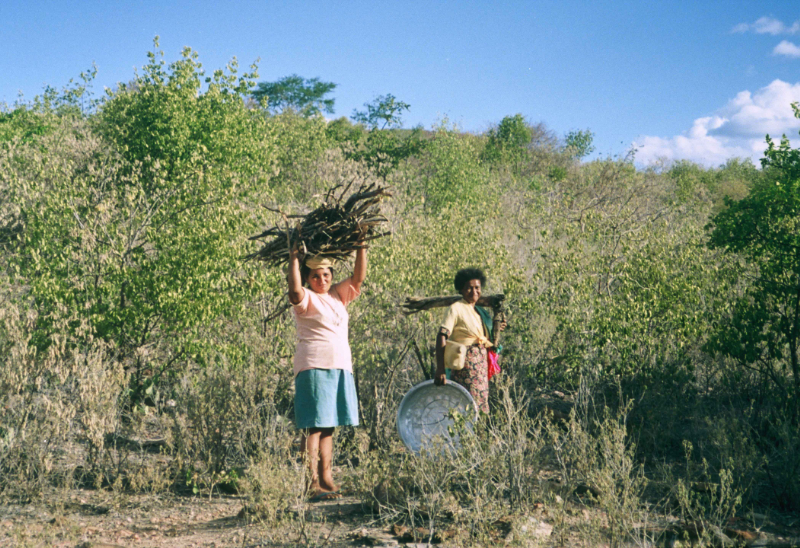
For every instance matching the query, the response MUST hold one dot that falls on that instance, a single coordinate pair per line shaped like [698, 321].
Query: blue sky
[697, 80]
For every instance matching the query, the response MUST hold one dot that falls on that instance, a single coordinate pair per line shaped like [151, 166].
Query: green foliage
[557, 173]
[508, 142]
[375, 139]
[306, 96]
[579, 143]
[731, 180]
[23, 123]
[383, 146]
[144, 237]
[451, 171]
[384, 149]
[42, 114]
[624, 288]
[704, 496]
[300, 144]
[123, 224]
[344, 131]
[165, 122]
[690, 178]
[384, 112]
[663, 299]
[764, 329]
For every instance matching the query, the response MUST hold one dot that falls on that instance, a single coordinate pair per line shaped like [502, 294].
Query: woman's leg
[325, 465]
[318, 447]
[310, 444]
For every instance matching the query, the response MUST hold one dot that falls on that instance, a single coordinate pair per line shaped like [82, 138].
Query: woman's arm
[445, 331]
[359, 269]
[440, 377]
[296, 291]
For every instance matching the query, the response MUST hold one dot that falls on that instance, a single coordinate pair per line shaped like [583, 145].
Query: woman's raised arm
[359, 269]
[296, 291]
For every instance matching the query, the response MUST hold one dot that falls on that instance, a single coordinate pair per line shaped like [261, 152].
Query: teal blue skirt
[325, 398]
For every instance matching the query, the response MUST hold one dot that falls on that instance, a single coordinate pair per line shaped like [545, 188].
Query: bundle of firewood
[334, 230]
[418, 304]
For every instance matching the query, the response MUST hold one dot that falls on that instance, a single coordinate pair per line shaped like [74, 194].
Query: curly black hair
[465, 275]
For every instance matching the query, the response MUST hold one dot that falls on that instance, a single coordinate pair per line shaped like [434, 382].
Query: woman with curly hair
[464, 339]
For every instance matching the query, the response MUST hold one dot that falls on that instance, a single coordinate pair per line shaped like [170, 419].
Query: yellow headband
[319, 261]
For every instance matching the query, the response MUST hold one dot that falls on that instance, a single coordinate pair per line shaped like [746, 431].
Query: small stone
[536, 529]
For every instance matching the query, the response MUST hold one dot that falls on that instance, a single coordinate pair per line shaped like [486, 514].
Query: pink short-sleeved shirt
[322, 326]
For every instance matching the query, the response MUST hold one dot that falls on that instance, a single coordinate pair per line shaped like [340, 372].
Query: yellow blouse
[464, 325]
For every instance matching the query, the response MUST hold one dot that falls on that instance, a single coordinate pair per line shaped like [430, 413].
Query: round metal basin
[424, 416]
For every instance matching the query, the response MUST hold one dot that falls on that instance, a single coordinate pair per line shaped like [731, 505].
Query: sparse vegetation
[650, 384]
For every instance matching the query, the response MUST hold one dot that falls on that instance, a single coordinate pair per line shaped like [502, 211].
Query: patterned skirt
[475, 376]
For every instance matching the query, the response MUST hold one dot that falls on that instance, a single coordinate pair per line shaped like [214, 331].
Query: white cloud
[735, 130]
[741, 27]
[768, 110]
[768, 25]
[787, 48]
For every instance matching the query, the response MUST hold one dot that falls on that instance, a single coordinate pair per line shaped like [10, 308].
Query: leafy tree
[39, 117]
[300, 142]
[306, 96]
[143, 231]
[508, 142]
[382, 113]
[764, 331]
[451, 170]
[732, 180]
[163, 120]
[384, 147]
[343, 130]
[24, 123]
[691, 179]
[580, 143]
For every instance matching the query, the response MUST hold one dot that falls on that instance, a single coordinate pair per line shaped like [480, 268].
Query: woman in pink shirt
[325, 393]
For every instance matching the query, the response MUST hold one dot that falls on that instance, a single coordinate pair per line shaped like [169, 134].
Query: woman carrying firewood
[464, 341]
[325, 392]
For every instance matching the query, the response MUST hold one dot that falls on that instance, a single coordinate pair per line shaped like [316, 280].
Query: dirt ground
[96, 519]
[93, 519]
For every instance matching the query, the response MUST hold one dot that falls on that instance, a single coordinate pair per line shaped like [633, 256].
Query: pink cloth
[322, 325]
[494, 367]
